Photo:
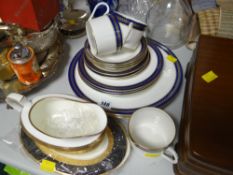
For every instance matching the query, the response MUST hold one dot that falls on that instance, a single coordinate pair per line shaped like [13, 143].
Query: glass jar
[137, 9]
[169, 22]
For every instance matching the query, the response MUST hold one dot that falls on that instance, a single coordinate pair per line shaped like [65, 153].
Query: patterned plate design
[116, 157]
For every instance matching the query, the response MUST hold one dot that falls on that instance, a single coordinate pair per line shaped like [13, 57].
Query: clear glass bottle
[137, 9]
[169, 22]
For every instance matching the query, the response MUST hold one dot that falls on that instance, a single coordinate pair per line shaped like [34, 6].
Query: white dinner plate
[157, 95]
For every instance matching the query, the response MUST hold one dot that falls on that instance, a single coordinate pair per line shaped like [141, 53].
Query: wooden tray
[205, 144]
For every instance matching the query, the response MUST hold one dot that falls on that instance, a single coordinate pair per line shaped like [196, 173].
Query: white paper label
[105, 104]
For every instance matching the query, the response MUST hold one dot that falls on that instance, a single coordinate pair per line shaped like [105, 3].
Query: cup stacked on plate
[115, 48]
[120, 69]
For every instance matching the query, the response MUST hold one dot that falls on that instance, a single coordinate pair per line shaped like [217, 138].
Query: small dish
[48, 118]
[72, 23]
[104, 159]
[158, 94]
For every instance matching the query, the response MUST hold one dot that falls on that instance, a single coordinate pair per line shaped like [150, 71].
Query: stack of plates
[111, 153]
[153, 84]
[122, 65]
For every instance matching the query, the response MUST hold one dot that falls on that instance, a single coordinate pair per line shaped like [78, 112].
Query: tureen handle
[17, 101]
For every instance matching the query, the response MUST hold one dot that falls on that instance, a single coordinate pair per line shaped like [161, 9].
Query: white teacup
[111, 32]
[152, 130]
[137, 29]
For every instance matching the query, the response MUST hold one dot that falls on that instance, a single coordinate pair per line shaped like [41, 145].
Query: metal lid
[20, 54]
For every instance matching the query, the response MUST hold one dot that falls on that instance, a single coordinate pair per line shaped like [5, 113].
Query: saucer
[116, 85]
[158, 94]
[113, 71]
[101, 160]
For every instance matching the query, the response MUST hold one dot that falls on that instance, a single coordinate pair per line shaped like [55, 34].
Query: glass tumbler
[169, 22]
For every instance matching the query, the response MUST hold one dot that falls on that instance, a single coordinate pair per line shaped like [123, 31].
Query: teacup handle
[97, 6]
[128, 32]
[170, 155]
[17, 101]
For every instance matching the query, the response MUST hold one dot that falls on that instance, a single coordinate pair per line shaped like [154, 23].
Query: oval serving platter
[158, 94]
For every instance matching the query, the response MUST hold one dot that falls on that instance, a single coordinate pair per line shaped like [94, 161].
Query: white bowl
[60, 120]
[151, 128]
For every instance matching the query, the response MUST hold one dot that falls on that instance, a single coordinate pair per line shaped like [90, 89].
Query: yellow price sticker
[209, 76]
[47, 166]
[171, 58]
[71, 21]
[151, 155]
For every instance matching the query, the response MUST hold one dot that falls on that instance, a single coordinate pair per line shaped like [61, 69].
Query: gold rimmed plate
[111, 153]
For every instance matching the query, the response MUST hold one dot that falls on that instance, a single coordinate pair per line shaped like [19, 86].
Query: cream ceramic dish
[60, 120]
[153, 130]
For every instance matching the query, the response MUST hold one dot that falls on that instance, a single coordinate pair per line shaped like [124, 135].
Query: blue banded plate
[158, 94]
